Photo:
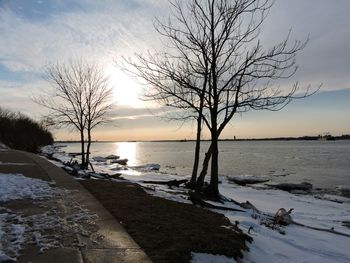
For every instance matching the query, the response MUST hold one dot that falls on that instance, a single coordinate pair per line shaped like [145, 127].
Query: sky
[34, 34]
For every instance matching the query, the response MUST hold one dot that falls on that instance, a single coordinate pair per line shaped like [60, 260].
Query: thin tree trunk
[213, 189]
[88, 146]
[192, 183]
[200, 180]
[82, 141]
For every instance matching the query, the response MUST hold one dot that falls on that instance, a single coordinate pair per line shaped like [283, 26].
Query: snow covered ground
[3, 147]
[298, 243]
[17, 186]
[19, 228]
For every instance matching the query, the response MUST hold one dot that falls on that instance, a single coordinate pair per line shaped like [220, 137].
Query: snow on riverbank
[298, 244]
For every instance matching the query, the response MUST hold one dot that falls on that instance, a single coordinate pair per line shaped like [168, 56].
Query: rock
[344, 190]
[346, 224]
[120, 161]
[299, 192]
[67, 169]
[112, 157]
[99, 159]
[289, 187]
[74, 154]
[282, 217]
[115, 176]
[244, 180]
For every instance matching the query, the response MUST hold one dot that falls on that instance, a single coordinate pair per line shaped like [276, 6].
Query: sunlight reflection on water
[127, 150]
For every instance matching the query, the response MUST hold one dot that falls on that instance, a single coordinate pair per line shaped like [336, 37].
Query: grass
[168, 231]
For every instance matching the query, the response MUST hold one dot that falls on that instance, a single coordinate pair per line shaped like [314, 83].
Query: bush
[22, 133]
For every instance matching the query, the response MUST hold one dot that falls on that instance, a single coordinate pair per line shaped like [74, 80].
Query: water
[325, 164]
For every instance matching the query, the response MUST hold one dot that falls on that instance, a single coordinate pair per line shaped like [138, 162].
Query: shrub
[22, 133]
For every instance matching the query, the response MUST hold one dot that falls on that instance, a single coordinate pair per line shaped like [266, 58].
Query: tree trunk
[200, 180]
[192, 183]
[213, 189]
[88, 147]
[82, 141]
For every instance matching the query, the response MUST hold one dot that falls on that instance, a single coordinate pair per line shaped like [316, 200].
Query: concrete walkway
[115, 244]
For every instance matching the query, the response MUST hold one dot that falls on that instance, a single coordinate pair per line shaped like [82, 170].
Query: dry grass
[168, 231]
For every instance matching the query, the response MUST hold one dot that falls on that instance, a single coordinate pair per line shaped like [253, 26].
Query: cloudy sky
[36, 33]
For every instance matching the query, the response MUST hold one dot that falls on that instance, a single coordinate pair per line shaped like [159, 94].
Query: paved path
[116, 244]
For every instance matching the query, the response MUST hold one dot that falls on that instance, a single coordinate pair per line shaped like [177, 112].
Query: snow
[19, 164]
[48, 149]
[17, 186]
[18, 229]
[12, 235]
[5, 258]
[298, 244]
[208, 258]
[3, 148]
[249, 179]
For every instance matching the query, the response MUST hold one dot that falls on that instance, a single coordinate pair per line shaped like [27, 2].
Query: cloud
[325, 59]
[102, 33]
[35, 33]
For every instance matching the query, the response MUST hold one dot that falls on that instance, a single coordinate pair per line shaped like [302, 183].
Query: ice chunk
[147, 167]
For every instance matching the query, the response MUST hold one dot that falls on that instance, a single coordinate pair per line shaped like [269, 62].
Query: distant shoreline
[302, 138]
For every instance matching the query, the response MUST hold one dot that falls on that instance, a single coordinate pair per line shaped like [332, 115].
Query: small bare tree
[80, 99]
[216, 42]
[98, 102]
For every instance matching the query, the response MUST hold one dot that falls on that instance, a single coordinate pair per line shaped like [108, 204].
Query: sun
[126, 90]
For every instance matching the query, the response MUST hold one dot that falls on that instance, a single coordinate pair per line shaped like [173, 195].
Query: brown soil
[168, 231]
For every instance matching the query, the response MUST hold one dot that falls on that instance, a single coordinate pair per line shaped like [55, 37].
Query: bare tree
[174, 85]
[216, 42]
[79, 99]
[98, 103]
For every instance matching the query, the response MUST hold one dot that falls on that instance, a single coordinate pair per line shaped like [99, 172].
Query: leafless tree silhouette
[215, 66]
[80, 99]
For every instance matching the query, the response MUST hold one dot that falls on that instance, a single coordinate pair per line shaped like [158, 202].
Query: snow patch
[50, 226]
[3, 148]
[14, 164]
[17, 186]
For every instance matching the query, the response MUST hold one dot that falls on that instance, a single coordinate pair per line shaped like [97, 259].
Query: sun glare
[127, 150]
[126, 91]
